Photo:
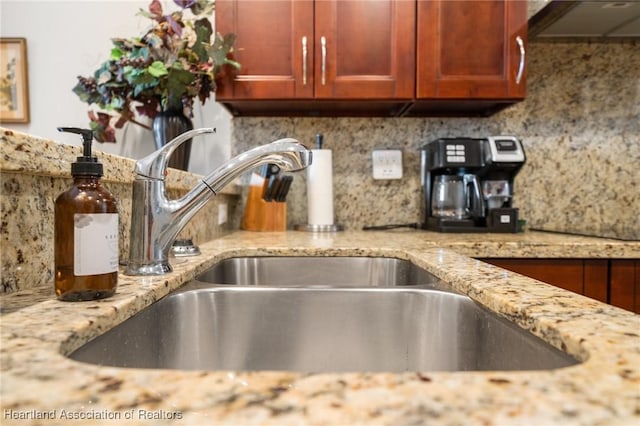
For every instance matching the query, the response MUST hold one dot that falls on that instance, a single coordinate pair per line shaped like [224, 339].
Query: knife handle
[275, 191]
[284, 188]
[268, 191]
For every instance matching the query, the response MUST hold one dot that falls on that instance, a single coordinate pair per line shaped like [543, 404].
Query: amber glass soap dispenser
[86, 231]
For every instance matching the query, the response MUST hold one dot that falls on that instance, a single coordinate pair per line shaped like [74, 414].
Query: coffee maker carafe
[456, 197]
[468, 184]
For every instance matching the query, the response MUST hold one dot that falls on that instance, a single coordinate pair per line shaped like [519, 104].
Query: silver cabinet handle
[323, 43]
[304, 60]
[522, 57]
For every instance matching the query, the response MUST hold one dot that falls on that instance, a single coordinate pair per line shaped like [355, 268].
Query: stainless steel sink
[317, 271]
[319, 315]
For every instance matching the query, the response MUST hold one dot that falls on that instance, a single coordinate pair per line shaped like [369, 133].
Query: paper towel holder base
[319, 228]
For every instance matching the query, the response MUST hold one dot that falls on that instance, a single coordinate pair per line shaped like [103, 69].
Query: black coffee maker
[468, 184]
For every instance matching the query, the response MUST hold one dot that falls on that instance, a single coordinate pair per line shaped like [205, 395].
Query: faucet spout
[288, 153]
[156, 221]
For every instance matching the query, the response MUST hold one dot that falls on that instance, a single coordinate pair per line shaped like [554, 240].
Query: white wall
[70, 38]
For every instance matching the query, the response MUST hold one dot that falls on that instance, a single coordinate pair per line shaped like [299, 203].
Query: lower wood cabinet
[613, 281]
[624, 284]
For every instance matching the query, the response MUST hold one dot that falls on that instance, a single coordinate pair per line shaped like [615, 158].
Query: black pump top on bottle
[87, 164]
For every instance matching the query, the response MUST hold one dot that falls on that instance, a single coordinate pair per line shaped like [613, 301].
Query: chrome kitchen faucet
[157, 220]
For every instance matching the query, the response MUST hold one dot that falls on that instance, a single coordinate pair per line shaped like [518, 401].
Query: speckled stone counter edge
[24, 153]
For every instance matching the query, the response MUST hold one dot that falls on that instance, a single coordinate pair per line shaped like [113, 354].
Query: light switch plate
[387, 163]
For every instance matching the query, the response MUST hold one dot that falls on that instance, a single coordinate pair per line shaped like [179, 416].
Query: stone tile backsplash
[580, 126]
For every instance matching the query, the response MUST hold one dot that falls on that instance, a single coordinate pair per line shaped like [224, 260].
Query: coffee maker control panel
[505, 149]
[453, 153]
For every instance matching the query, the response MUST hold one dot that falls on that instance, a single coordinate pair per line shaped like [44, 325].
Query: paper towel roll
[320, 188]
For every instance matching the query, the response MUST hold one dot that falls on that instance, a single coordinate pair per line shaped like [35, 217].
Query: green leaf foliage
[157, 69]
[167, 67]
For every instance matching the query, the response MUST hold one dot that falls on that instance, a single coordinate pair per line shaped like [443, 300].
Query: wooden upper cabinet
[364, 49]
[471, 49]
[268, 47]
[324, 49]
[374, 57]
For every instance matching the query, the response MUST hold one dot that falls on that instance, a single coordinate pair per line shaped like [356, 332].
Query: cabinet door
[625, 284]
[329, 49]
[471, 49]
[364, 49]
[269, 47]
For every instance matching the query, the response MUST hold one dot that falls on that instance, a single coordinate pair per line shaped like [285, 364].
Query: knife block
[261, 215]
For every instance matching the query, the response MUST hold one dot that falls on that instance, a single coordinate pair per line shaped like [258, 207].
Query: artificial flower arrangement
[166, 68]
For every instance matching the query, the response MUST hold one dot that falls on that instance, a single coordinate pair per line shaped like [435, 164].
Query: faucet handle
[154, 165]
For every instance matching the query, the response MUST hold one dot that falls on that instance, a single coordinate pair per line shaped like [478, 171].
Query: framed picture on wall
[14, 84]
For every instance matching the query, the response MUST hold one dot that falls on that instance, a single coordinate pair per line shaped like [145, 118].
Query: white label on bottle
[95, 243]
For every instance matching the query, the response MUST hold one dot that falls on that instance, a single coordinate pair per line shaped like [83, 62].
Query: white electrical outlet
[387, 163]
[222, 213]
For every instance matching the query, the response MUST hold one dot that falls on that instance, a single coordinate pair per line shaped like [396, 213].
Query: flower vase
[166, 126]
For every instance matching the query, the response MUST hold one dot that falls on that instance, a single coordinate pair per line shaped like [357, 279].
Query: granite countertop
[41, 385]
